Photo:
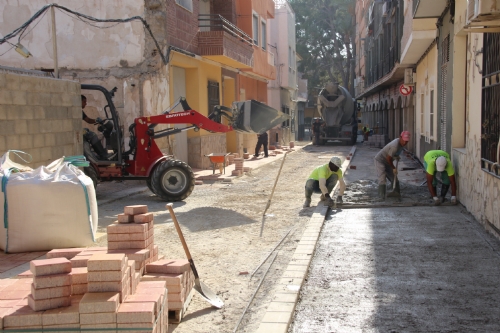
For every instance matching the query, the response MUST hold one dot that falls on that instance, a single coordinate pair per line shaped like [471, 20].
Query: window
[422, 118]
[431, 116]
[289, 58]
[255, 27]
[213, 95]
[263, 32]
[187, 4]
[490, 108]
[286, 110]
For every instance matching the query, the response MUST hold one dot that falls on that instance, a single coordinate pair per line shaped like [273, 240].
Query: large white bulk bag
[47, 208]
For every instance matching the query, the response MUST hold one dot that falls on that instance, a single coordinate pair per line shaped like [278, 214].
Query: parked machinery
[336, 107]
[167, 177]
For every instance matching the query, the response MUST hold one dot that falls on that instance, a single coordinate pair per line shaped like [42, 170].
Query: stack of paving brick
[98, 310]
[51, 287]
[109, 273]
[238, 167]
[178, 276]
[134, 229]
[147, 308]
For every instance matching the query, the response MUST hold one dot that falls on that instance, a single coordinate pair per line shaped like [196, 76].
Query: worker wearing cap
[384, 164]
[438, 169]
[323, 179]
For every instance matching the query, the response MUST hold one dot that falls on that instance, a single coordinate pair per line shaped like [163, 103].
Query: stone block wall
[40, 116]
[200, 146]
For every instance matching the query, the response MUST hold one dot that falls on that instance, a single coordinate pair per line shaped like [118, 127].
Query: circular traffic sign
[405, 90]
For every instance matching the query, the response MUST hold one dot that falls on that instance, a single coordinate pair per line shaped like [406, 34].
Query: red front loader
[168, 178]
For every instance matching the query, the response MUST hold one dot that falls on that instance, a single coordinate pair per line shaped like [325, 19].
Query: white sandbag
[47, 208]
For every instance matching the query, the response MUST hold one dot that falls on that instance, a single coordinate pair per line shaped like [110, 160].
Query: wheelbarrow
[217, 159]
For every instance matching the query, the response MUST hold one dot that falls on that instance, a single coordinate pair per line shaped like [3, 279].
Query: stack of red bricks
[143, 309]
[107, 287]
[134, 229]
[109, 273]
[51, 287]
[178, 277]
[98, 310]
[238, 167]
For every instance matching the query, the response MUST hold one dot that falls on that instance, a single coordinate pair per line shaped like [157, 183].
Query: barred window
[490, 104]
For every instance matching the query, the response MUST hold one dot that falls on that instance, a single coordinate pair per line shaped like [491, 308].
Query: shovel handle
[179, 231]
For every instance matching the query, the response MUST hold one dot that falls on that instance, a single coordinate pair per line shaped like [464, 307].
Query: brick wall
[204, 145]
[40, 116]
[182, 26]
[226, 8]
[223, 43]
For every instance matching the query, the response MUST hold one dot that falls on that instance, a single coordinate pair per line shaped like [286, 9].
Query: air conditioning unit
[408, 79]
[483, 11]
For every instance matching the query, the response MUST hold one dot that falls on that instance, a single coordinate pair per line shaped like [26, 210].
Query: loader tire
[92, 174]
[148, 182]
[172, 180]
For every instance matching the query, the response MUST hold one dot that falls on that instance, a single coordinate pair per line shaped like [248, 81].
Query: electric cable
[83, 17]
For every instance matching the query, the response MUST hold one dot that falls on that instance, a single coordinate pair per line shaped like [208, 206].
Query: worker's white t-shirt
[392, 149]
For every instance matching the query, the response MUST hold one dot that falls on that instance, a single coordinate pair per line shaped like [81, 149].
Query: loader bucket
[255, 117]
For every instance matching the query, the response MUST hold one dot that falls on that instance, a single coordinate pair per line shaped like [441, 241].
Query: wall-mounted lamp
[23, 51]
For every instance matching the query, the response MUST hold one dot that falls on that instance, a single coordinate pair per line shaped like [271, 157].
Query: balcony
[428, 8]
[220, 40]
[423, 33]
[262, 66]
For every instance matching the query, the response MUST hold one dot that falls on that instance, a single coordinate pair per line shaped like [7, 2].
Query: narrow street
[221, 224]
[396, 268]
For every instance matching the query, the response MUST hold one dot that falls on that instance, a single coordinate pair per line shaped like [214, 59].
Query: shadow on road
[207, 218]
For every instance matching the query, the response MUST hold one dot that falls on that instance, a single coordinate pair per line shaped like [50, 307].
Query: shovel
[395, 177]
[199, 286]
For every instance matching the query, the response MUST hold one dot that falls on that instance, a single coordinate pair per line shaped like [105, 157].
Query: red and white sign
[405, 90]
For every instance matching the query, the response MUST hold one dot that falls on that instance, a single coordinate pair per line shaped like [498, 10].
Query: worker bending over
[438, 169]
[384, 164]
[323, 179]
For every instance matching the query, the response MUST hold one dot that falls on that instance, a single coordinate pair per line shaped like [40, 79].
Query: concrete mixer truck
[337, 110]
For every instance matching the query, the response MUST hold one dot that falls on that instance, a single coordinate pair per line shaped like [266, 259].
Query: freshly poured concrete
[419, 269]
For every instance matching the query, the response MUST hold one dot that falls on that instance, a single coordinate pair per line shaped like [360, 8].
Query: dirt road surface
[221, 224]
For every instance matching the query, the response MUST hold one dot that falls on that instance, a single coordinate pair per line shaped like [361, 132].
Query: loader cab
[108, 127]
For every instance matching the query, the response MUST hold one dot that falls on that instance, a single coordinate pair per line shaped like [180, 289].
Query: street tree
[325, 40]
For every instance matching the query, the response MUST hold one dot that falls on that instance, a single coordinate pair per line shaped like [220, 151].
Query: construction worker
[438, 169]
[262, 140]
[316, 128]
[90, 136]
[323, 179]
[366, 132]
[384, 164]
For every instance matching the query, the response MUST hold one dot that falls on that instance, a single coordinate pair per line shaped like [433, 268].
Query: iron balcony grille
[215, 22]
[490, 104]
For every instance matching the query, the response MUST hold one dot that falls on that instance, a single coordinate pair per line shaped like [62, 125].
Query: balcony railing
[383, 67]
[219, 23]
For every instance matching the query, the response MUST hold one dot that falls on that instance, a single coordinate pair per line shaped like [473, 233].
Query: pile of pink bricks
[124, 285]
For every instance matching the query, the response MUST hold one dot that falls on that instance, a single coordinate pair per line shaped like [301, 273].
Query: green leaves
[325, 37]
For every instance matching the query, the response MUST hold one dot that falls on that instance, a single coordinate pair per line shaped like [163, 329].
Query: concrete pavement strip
[280, 311]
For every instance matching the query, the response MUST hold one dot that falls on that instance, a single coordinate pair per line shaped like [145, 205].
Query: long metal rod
[271, 196]
[255, 293]
[270, 252]
[54, 42]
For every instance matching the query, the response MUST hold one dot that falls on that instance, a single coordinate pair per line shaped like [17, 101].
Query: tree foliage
[325, 40]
